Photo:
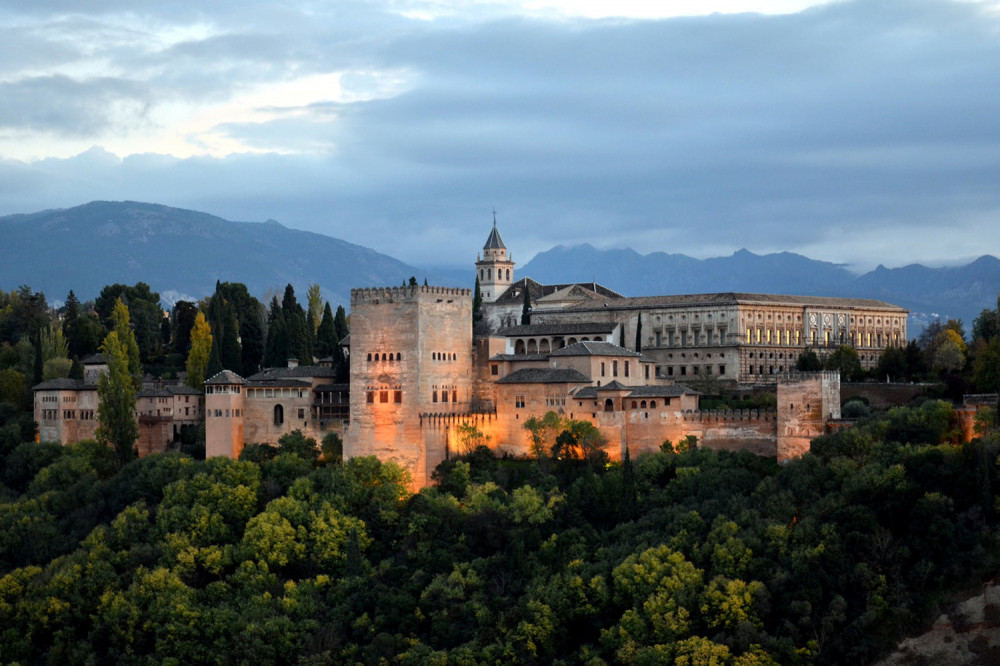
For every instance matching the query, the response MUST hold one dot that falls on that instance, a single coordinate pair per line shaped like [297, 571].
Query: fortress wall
[883, 395]
[411, 353]
[749, 430]
[806, 402]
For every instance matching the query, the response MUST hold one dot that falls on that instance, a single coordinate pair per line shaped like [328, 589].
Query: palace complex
[421, 381]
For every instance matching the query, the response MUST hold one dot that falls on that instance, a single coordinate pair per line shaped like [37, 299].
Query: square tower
[411, 358]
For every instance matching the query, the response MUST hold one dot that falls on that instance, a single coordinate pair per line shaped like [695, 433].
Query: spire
[494, 242]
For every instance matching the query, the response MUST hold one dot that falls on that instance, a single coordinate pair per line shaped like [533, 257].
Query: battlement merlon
[376, 295]
[803, 376]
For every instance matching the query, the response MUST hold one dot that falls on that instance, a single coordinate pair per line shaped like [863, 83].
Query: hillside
[182, 251]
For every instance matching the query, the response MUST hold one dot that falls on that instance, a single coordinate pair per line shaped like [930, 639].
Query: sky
[862, 132]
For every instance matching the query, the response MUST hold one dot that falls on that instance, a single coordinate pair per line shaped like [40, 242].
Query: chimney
[293, 363]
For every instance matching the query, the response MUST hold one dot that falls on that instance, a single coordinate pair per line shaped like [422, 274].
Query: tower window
[279, 415]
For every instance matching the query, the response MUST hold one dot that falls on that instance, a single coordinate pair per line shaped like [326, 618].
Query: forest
[289, 555]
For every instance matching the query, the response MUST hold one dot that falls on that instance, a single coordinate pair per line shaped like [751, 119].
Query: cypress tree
[638, 334]
[477, 304]
[326, 335]
[340, 324]
[526, 308]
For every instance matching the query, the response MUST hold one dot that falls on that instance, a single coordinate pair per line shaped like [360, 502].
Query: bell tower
[495, 269]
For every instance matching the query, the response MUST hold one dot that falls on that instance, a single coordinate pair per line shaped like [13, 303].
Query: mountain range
[181, 254]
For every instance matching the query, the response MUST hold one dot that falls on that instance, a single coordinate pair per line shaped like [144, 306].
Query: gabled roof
[545, 376]
[225, 377]
[95, 359]
[494, 242]
[515, 292]
[591, 348]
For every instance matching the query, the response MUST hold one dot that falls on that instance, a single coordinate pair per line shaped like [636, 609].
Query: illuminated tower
[411, 360]
[495, 269]
[224, 395]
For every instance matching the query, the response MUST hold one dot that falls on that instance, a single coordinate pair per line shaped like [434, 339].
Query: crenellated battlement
[789, 377]
[729, 416]
[377, 295]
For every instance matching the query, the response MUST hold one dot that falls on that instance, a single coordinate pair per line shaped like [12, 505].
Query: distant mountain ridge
[181, 253]
[951, 292]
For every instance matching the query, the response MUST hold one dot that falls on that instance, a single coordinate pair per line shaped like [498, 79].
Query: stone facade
[411, 357]
[742, 338]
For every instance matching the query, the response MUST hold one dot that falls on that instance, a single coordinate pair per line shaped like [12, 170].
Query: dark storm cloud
[832, 130]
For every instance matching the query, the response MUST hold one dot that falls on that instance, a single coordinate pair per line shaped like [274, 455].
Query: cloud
[835, 131]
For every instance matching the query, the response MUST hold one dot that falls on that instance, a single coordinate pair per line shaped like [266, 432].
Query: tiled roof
[95, 359]
[590, 348]
[64, 384]
[279, 381]
[225, 377]
[154, 393]
[734, 298]
[545, 376]
[494, 242]
[331, 387]
[515, 292]
[181, 389]
[298, 372]
[582, 328]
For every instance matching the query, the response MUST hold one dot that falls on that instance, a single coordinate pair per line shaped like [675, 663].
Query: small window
[684, 370]
[370, 397]
[614, 368]
[444, 396]
[494, 369]
[454, 396]
[279, 415]
[383, 396]
[652, 404]
[397, 397]
[519, 402]
[434, 396]
[302, 412]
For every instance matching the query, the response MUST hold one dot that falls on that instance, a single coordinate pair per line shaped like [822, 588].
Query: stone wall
[411, 353]
[806, 403]
[883, 395]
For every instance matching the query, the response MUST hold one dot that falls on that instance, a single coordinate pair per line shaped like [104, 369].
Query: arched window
[383, 357]
[609, 405]
[279, 415]
[489, 273]
[369, 358]
[543, 346]
[508, 275]
[652, 404]
[532, 346]
[642, 404]
[519, 347]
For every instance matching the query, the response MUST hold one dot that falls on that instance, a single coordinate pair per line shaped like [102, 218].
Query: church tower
[495, 269]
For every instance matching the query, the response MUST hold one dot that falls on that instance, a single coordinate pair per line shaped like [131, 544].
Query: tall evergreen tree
[526, 306]
[276, 347]
[477, 304]
[340, 324]
[183, 321]
[638, 334]
[116, 424]
[326, 335]
[227, 334]
[214, 360]
[296, 327]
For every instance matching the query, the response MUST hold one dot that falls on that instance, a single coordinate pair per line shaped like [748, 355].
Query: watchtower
[411, 355]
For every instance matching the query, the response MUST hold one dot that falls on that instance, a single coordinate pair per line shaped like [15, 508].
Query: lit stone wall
[411, 354]
[806, 403]
[224, 421]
